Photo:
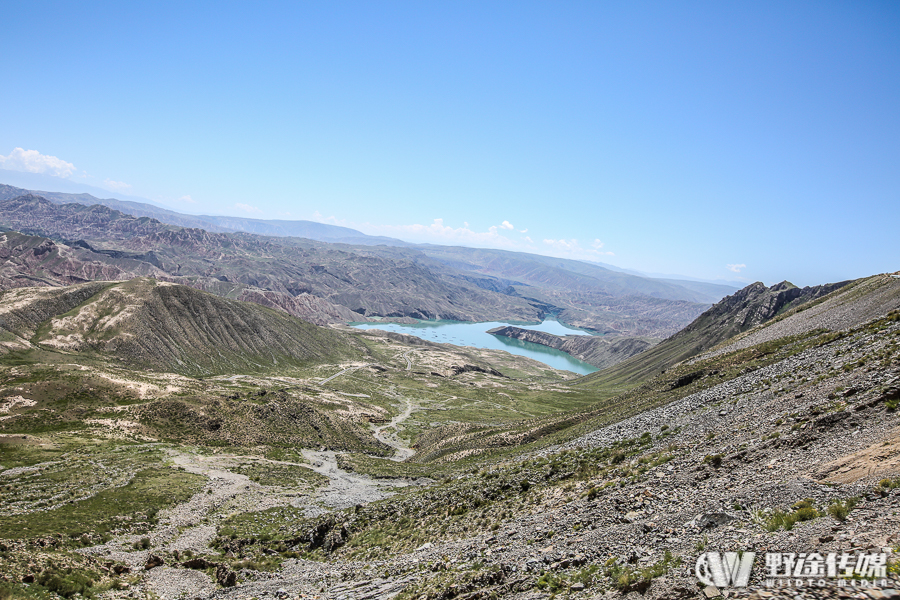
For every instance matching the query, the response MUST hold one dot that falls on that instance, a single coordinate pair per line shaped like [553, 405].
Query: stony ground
[797, 453]
[711, 473]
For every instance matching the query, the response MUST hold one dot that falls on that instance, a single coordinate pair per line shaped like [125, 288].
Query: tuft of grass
[627, 578]
[840, 509]
[778, 519]
[889, 484]
[713, 459]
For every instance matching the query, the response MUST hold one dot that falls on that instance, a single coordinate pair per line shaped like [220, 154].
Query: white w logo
[727, 569]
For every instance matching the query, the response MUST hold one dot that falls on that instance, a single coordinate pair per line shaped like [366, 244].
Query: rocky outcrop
[739, 312]
[303, 306]
[598, 351]
[459, 369]
[27, 261]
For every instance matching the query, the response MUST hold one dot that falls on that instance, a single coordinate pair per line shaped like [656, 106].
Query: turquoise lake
[475, 334]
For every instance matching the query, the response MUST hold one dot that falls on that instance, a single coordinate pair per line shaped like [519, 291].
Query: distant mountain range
[305, 229]
[324, 273]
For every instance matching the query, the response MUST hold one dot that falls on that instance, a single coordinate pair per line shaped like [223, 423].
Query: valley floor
[787, 446]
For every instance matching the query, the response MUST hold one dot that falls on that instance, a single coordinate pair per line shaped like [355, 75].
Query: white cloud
[572, 249]
[187, 198]
[523, 231]
[506, 225]
[118, 186]
[439, 233]
[736, 268]
[32, 161]
[246, 208]
[317, 216]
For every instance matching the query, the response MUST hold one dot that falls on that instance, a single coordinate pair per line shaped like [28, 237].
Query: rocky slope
[786, 440]
[743, 310]
[600, 352]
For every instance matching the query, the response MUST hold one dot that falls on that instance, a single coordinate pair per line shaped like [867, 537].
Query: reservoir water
[475, 334]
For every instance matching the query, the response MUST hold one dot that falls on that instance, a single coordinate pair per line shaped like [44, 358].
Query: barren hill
[166, 327]
[747, 308]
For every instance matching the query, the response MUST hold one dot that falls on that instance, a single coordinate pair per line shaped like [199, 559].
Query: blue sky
[739, 140]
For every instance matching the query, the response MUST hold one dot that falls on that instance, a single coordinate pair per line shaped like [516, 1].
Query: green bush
[786, 520]
[713, 459]
[839, 509]
[889, 484]
[142, 544]
[627, 578]
[66, 583]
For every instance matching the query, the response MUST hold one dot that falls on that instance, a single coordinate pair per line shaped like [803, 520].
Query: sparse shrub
[889, 484]
[142, 544]
[713, 459]
[807, 513]
[803, 511]
[66, 583]
[627, 578]
[839, 509]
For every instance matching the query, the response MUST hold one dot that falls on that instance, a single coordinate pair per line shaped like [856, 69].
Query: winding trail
[193, 525]
[402, 450]
[408, 361]
[339, 373]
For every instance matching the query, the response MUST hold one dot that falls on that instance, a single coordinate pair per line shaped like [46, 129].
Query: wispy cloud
[187, 198]
[736, 268]
[438, 233]
[117, 186]
[246, 208]
[572, 249]
[332, 220]
[32, 161]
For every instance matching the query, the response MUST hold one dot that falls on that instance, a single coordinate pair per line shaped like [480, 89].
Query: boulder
[225, 576]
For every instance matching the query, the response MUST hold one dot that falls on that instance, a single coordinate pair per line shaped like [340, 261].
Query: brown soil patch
[879, 459]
